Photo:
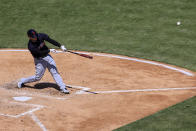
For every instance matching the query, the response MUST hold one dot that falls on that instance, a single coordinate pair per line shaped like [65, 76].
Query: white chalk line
[79, 87]
[36, 107]
[34, 117]
[124, 58]
[141, 90]
[148, 62]
[83, 89]
[29, 112]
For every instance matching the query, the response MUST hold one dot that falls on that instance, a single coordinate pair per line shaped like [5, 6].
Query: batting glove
[63, 48]
[53, 50]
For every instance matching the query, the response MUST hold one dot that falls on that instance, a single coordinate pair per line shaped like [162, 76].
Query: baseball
[178, 23]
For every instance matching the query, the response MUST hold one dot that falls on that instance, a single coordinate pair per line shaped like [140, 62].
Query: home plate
[22, 98]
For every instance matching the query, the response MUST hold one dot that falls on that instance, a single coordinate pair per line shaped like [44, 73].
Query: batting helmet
[32, 33]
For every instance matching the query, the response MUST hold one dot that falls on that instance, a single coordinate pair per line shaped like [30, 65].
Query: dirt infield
[128, 89]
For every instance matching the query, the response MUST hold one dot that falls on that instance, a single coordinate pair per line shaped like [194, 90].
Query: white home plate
[22, 98]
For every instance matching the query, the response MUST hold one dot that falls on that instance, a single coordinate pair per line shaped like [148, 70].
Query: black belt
[42, 56]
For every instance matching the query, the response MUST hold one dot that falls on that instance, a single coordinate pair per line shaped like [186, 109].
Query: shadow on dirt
[43, 85]
[46, 88]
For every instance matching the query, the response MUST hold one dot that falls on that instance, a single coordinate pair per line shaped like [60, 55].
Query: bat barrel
[80, 54]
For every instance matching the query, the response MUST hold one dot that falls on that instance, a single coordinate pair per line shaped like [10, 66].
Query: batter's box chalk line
[30, 112]
[83, 90]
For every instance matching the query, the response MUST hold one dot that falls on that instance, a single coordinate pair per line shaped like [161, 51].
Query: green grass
[137, 28]
[180, 117]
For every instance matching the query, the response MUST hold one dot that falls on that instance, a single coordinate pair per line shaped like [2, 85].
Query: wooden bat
[83, 55]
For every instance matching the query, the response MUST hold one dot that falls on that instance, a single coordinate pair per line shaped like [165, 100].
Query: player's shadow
[43, 85]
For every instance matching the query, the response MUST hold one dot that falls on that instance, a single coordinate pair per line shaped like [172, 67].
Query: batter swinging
[43, 59]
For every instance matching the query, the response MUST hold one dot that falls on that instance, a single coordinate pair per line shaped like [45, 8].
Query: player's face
[33, 39]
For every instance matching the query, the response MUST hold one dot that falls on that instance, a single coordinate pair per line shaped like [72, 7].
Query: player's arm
[47, 38]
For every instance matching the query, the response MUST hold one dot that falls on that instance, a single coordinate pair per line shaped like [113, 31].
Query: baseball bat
[92, 92]
[83, 55]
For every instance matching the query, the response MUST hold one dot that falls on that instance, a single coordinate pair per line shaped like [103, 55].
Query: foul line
[141, 90]
[124, 58]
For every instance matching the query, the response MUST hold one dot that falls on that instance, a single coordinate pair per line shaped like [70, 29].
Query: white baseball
[178, 23]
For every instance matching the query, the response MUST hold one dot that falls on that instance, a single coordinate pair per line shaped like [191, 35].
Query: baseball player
[43, 59]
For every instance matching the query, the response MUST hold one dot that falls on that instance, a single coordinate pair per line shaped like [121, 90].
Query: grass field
[137, 28]
[180, 117]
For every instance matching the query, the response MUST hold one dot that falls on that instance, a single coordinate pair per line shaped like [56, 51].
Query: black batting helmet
[32, 33]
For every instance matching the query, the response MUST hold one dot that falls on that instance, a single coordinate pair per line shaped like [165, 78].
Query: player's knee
[38, 78]
[54, 72]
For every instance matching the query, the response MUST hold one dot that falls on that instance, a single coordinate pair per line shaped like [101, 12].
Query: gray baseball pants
[40, 66]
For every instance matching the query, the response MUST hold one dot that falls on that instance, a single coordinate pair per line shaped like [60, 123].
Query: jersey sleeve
[47, 38]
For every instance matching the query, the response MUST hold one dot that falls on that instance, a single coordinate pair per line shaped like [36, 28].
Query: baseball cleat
[20, 84]
[65, 91]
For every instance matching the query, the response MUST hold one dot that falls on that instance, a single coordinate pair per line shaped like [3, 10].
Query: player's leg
[55, 74]
[40, 67]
